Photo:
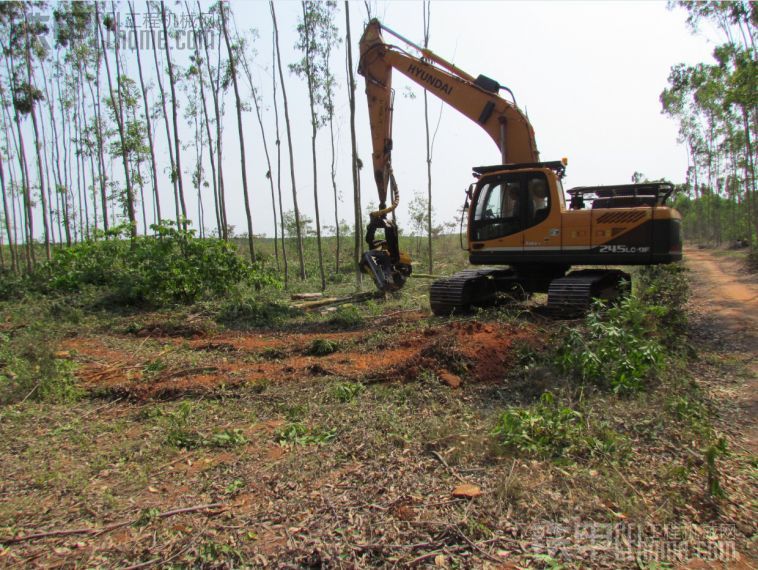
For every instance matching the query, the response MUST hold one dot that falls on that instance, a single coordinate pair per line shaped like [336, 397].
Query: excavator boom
[476, 98]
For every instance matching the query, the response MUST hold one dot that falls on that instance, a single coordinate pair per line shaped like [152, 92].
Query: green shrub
[297, 433]
[173, 267]
[322, 347]
[347, 391]
[616, 348]
[666, 288]
[254, 313]
[347, 317]
[551, 431]
[29, 368]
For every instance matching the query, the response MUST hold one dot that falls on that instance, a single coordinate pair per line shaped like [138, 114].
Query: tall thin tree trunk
[254, 93]
[279, 165]
[169, 138]
[427, 15]
[65, 130]
[119, 112]
[749, 170]
[148, 126]
[206, 118]
[7, 214]
[56, 157]
[301, 254]
[103, 179]
[82, 122]
[37, 140]
[215, 87]
[314, 132]
[174, 114]
[240, 130]
[354, 148]
[48, 185]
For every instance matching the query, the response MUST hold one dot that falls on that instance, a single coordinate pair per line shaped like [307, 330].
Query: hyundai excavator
[517, 211]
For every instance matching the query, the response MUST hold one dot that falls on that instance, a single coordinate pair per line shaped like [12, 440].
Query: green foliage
[616, 348]
[297, 433]
[347, 317]
[549, 430]
[179, 435]
[322, 347]
[666, 288]
[214, 552]
[249, 312]
[715, 451]
[174, 267]
[347, 391]
[147, 516]
[29, 368]
[227, 438]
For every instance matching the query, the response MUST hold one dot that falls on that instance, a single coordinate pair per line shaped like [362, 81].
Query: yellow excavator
[518, 215]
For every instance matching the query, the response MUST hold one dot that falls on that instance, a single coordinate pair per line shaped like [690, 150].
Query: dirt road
[725, 305]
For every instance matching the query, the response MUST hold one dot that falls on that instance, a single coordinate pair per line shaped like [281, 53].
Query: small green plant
[273, 353]
[549, 430]
[177, 434]
[213, 552]
[347, 317]
[713, 452]
[252, 312]
[30, 369]
[322, 347]
[616, 348]
[234, 487]
[299, 434]
[227, 438]
[147, 516]
[347, 391]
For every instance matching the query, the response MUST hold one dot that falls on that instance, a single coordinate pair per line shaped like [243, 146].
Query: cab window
[498, 212]
[538, 199]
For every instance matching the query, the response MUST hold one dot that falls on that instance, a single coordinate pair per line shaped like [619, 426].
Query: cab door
[497, 222]
[542, 217]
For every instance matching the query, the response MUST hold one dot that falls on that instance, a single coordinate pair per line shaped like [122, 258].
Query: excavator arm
[476, 98]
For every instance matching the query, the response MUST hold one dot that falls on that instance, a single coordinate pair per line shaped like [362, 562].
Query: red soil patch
[478, 352]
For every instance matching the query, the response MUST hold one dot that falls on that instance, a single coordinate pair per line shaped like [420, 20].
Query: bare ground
[235, 449]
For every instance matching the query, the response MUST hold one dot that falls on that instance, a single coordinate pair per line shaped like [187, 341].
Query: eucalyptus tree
[24, 46]
[427, 12]
[231, 74]
[315, 30]
[148, 122]
[278, 159]
[354, 151]
[174, 172]
[195, 70]
[194, 118]
[23, 97]
[298, 225]
[7, 219]
[117, 106]
[174, 112]
[242, 45]
[330, 39]
[214, 79]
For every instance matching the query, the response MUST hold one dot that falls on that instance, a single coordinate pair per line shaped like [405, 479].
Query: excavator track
[573, 294]
[465, 289]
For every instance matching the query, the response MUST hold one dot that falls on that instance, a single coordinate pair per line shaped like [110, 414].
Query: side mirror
[470, 191]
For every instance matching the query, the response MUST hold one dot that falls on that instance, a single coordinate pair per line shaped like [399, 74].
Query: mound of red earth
[478, 352]
[457, 352]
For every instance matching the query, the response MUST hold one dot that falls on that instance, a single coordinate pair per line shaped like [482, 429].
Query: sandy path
[728, 298]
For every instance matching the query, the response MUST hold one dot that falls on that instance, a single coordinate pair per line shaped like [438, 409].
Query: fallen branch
[105, 529]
